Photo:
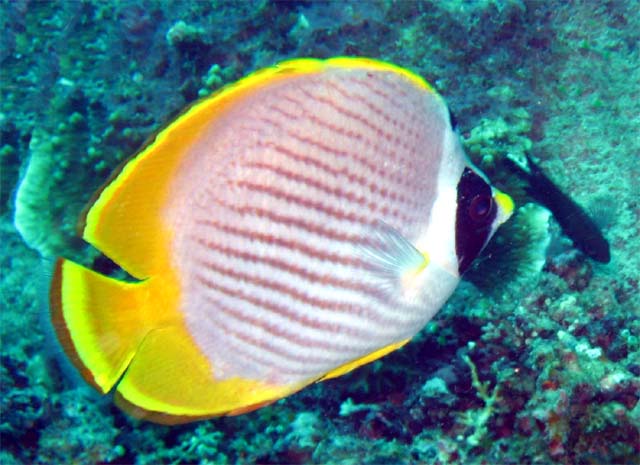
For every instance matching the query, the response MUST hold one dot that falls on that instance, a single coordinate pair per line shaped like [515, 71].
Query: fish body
[572, 218]
[297, 224]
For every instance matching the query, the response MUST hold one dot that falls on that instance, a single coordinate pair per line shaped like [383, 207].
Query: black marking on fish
[474, 217]
[573, 219]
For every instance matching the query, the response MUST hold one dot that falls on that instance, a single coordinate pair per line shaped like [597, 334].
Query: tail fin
[100, 321]
[129, 336]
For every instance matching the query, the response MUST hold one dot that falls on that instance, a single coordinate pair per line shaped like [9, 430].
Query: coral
[493, 138]
[184, 36]
[478, 419]
[348, 407]
[78, 428]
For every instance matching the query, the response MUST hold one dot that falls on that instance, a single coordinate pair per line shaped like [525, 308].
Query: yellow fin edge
[96, 319]
[125, 218]
[347, 367]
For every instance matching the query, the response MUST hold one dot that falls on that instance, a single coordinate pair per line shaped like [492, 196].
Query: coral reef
[547, 372]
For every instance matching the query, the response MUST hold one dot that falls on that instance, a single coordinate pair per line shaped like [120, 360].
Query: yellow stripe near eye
[504, 202]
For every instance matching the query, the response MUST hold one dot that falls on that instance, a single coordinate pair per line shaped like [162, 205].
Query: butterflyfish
[295, 225]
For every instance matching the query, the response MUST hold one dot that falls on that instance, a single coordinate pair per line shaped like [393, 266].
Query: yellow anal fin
[347, 367]
[99, 320]
[169, 381]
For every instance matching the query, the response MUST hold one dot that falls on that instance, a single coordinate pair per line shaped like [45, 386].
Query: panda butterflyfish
[297, 224]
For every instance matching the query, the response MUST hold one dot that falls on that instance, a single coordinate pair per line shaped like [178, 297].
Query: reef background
[545, 371]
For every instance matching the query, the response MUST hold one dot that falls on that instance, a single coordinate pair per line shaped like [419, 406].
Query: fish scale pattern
[273, 286]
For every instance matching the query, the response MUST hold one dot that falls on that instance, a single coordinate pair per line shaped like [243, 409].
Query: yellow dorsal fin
[125, 220]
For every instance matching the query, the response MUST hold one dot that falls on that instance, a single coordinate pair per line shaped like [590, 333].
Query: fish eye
[481, 208]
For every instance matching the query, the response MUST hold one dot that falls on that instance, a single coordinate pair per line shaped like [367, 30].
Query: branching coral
[477, 419]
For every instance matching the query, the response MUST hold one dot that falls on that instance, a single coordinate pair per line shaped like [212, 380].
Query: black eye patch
[475, 214]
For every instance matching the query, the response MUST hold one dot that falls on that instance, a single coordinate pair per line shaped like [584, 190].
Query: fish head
[481, 209]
